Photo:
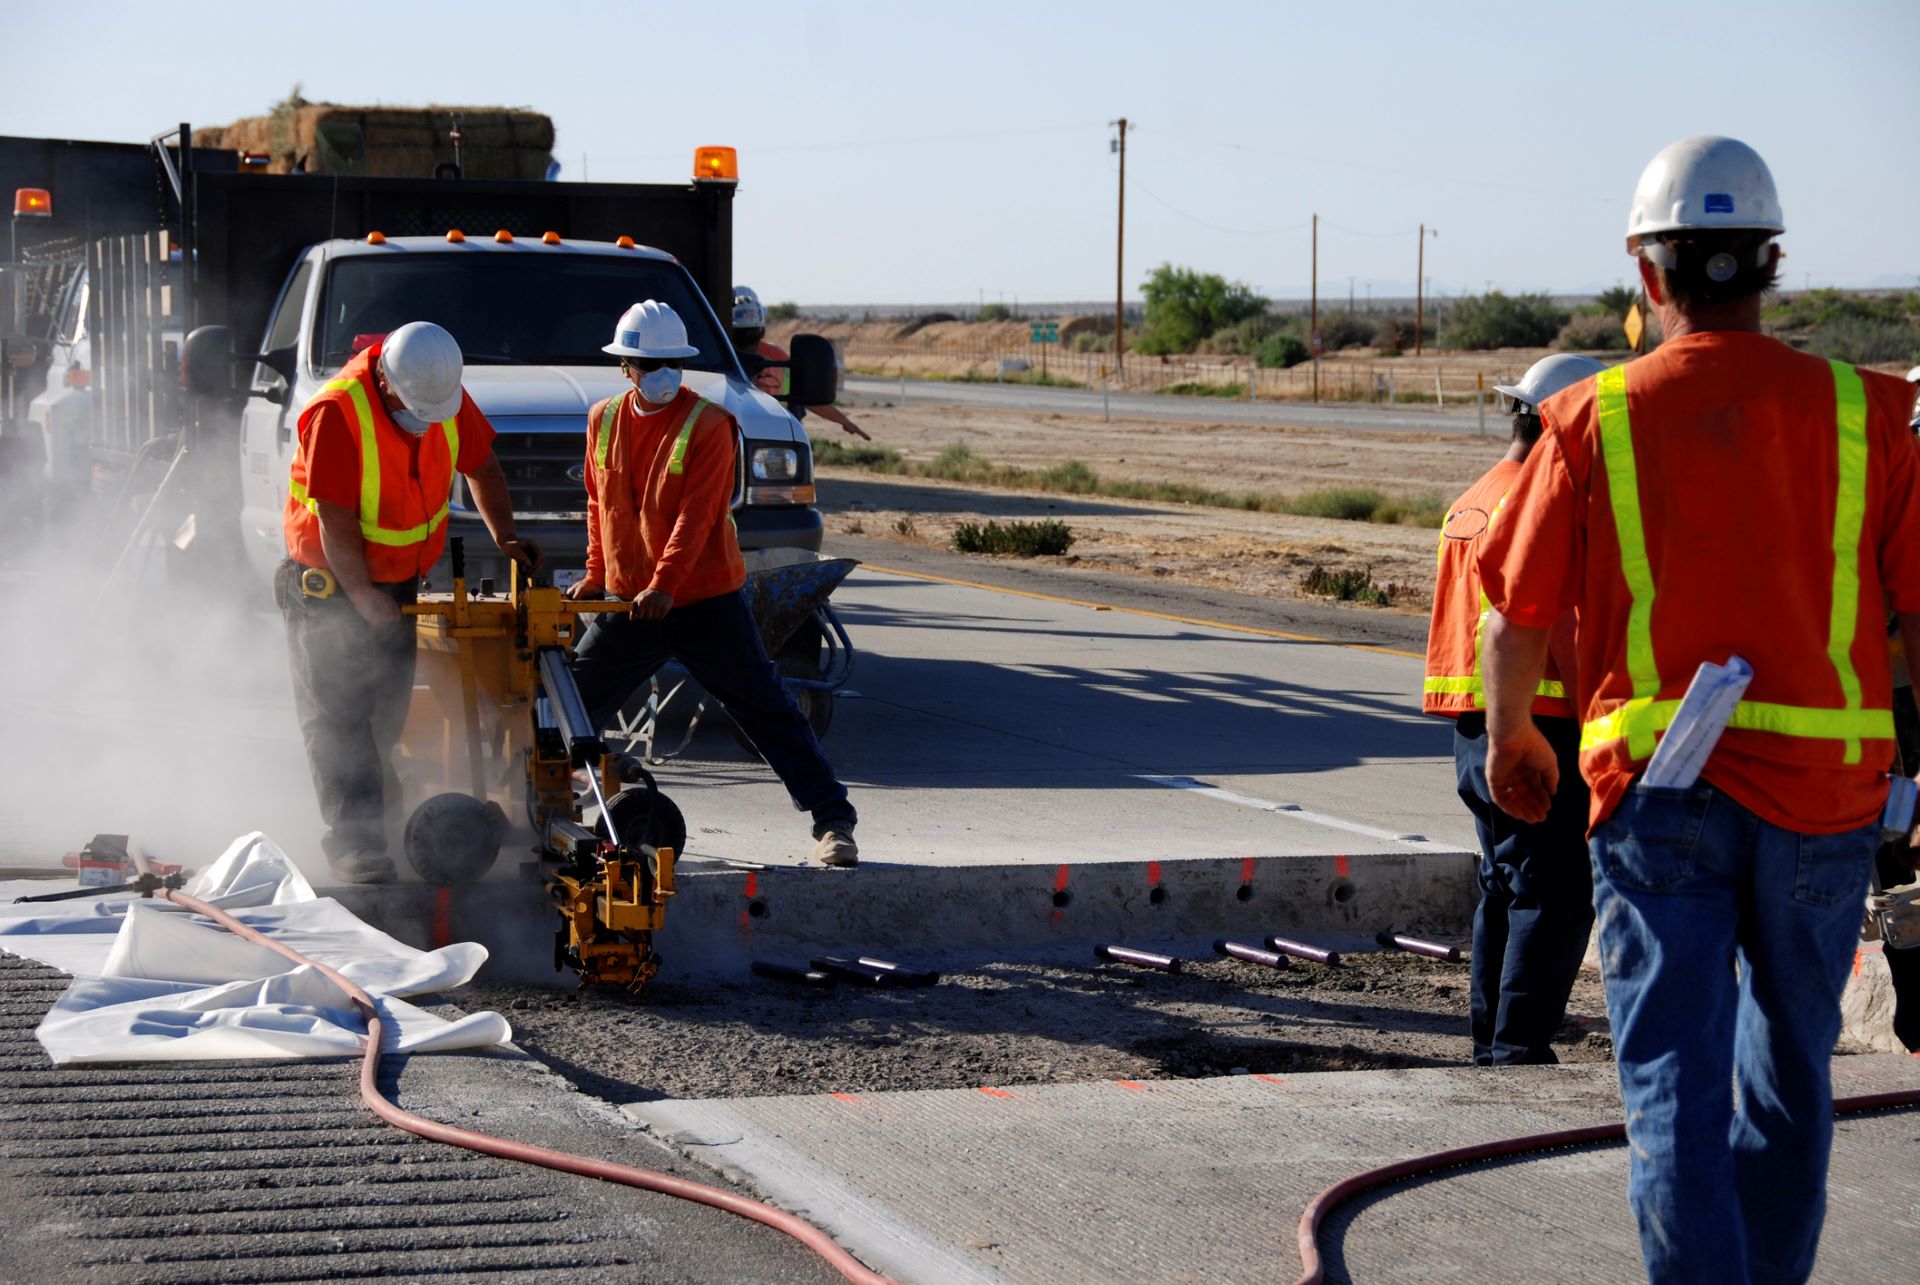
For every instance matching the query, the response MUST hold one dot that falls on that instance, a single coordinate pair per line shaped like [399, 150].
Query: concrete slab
[1204, 1180]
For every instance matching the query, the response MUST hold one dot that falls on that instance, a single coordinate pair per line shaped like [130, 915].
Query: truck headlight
[775, 464]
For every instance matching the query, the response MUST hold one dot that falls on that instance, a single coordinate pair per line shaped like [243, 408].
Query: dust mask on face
[659, 386]
[408, 420]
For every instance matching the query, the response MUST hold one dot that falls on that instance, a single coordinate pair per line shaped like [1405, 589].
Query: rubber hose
[807, 1234]
[1314, 1270]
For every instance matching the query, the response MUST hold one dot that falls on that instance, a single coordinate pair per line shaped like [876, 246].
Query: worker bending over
[1723, 496]
[1536, 896]
[366, 517]
[749, 333]
[661, 465]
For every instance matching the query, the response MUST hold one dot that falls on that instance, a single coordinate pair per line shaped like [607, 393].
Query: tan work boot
[361, 866]
[835, 847]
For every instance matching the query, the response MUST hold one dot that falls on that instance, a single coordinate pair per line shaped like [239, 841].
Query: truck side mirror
[815, 373]
[279, 361]
[206, 362]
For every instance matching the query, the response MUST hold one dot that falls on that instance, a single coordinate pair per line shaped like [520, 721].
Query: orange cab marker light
[34, 201]
[550, 237]
[503, 236]
[376, 238]
[625, 243]
[716, 165]
[456, 235]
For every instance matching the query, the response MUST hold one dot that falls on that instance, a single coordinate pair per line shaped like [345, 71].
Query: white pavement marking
[1296, 812]
[880, 1237]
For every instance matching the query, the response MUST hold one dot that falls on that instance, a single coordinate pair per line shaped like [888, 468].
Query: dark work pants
[1536, 902]
[351, 688]
[715, 639]
[1896, 862]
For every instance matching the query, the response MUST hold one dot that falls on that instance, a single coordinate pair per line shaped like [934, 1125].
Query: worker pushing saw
[365, 519]
[660, 472]
[1725, 498]
[1536, 895]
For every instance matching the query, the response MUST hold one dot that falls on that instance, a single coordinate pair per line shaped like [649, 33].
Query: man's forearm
[346, 551]
[488, 485]
[1513, 661]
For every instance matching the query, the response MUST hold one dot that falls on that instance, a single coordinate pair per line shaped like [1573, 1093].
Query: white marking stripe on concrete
[710, 1133]
[1295, 812]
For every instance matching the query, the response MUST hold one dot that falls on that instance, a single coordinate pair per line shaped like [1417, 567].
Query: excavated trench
[1010, 1024]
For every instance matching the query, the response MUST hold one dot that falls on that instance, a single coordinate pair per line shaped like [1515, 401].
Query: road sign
[1634, 326]
[1318, 347]
[1043, 332]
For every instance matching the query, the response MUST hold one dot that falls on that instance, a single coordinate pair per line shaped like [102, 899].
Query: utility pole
[1119, 144]
[1313, 310]
[1419, 294]
[1349, 296]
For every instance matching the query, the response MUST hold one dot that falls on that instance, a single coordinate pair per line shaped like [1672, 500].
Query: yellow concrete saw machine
[496, 695]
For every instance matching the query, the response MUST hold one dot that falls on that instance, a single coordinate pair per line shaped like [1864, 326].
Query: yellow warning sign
[1635, 326]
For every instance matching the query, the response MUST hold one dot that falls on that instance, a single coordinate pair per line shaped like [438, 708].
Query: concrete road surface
[1210, 410]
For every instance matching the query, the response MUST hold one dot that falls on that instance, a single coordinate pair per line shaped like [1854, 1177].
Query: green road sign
[1043, 332]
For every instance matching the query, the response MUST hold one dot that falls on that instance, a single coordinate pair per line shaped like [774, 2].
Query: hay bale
[397, 142]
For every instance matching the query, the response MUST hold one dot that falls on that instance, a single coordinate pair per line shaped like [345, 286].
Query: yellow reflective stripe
[600, 445]
[677, 462]
[1849, 516]
[1649, 717]
[370, 528]
[1623, 492]
[1460, 686]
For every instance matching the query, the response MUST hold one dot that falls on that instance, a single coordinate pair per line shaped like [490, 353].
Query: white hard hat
[1548, 376]
[422, 364]
[1704, 182]
[650, 329]
[1913, 376]
[748, 314]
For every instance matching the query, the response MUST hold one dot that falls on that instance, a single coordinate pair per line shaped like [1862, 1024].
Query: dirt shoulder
[1263, 554]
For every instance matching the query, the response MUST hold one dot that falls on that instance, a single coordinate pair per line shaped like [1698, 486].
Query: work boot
[835, 847]
[361, 866]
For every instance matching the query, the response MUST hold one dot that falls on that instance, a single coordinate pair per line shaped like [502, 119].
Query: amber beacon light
[37, 202]
[716, 165]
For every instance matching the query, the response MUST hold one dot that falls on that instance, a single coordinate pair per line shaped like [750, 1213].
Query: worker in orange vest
[366, 518]
[749, 332]
[1536, 898]
[1724, 496]
[661, 467]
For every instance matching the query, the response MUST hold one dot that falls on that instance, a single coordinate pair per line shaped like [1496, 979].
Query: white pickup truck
[531, 315]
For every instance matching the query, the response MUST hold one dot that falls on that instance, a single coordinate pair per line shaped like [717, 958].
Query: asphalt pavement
[1040, 399]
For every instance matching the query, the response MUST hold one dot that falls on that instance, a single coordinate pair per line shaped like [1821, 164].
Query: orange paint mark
[1153, 874]
[753, 881]
[1270, 1079]
[1246, 870]
[1340, 867]
[1856, 963]
[848, 1097]
[442, 917]
[1131, 1084]
[995, 1093]
[1060, 879]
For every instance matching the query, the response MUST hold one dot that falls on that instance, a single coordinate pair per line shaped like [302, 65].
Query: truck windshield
[541, 309]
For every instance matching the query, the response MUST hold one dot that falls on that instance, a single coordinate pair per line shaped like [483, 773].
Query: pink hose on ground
[810, 1236]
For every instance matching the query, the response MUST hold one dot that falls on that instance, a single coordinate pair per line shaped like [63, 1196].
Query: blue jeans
[1536, 902]
[1725, 941]
[716, 641]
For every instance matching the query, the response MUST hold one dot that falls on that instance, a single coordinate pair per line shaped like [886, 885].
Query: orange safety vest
[1454, 684]
[403, 510]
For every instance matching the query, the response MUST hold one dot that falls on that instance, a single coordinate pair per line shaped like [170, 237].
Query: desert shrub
[786, 310]
[1350, 584]
[875, 459]
[1089, 341]
[994, 312]
[1244, 337]
[1353, 503]
[1866, 339]
[1049, 538]
[1073, 477]
[1201, 388]
[1281, 351]
[1499, 320]
[1185, 307]
[1592, 332]
[958, 463]
[1345, 330]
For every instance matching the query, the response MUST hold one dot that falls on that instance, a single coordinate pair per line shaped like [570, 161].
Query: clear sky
[917, 153]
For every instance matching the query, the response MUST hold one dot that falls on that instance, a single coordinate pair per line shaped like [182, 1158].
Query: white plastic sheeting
[153, 983]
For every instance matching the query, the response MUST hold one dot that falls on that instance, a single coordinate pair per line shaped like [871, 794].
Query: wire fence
[1446, 380]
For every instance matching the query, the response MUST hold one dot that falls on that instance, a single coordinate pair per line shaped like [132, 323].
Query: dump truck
[188, 337]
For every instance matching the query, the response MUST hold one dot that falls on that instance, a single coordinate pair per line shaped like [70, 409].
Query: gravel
[1011, 1024]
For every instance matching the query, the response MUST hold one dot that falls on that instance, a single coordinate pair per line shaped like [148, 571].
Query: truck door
[267, 427]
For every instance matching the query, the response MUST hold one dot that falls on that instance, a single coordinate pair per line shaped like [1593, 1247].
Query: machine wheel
[454, 838]
[815, 702]
[665, 828]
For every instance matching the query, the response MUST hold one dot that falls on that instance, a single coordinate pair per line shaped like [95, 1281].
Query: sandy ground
[1256, 553]
[1009, 1024]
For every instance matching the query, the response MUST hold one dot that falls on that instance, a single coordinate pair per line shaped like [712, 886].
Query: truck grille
[543, 471]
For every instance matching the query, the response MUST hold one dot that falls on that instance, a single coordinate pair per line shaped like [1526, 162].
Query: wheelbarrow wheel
[664, 828]
[814, 702]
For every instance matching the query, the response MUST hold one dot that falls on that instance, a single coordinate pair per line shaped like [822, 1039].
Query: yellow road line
[1140, 611]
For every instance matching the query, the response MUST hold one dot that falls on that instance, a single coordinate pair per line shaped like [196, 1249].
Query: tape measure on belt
[317, 582]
